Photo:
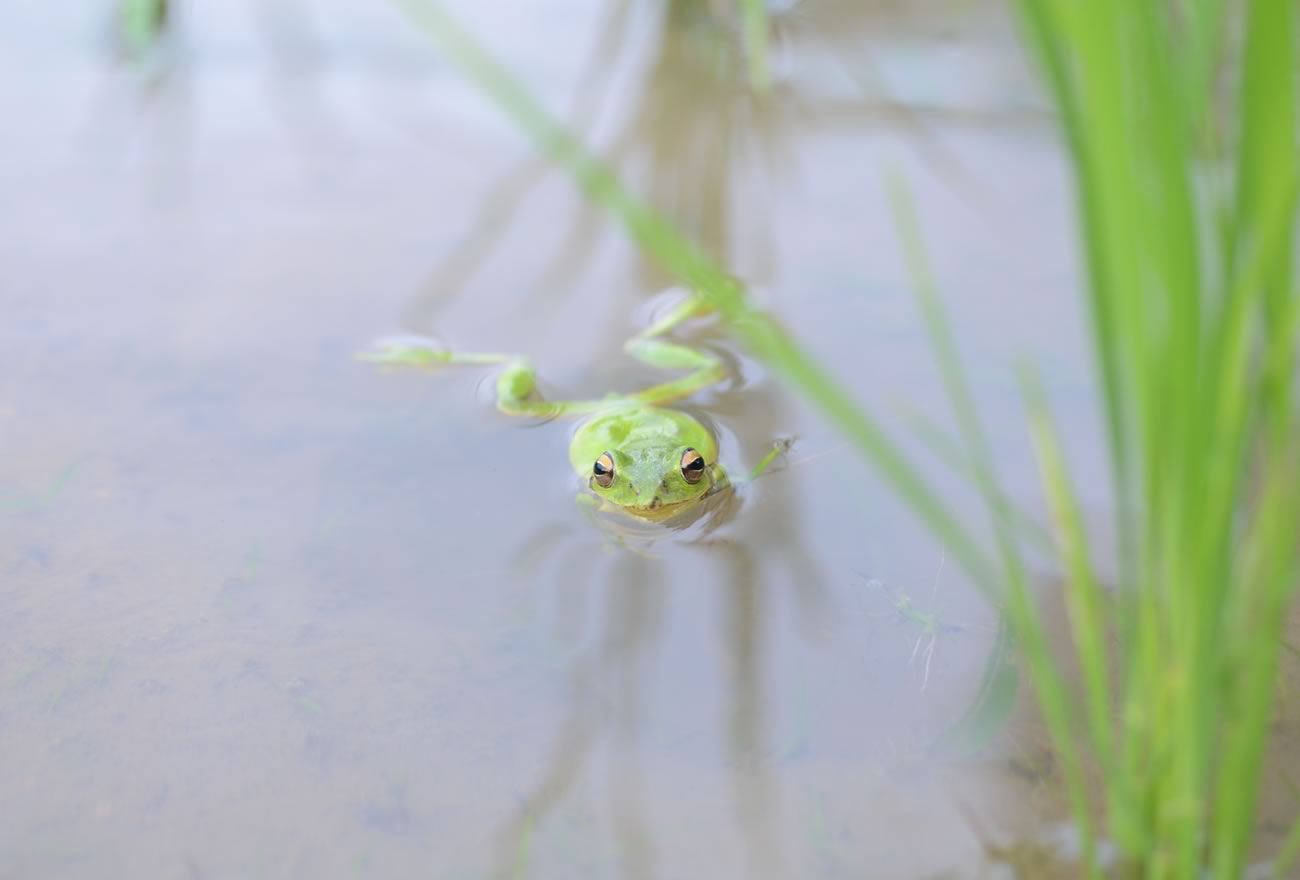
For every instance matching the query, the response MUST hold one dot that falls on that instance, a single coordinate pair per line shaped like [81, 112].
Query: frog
[635, 452]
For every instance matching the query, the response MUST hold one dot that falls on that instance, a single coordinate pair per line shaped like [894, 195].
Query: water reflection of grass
[1194, 316]
[17, 499]
[923, 619]
[63, 678]
[141, 24]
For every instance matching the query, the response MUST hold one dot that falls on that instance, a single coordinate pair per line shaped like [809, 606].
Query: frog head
[651, 480]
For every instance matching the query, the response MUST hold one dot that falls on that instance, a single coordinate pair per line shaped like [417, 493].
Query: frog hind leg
[648, 347]
[418, 351]
[517, 393]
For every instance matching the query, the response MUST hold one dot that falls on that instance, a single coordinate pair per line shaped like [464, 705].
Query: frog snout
[654, 501]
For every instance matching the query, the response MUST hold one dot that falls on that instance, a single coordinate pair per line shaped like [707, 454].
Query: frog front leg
[779, 448]
[722, 480]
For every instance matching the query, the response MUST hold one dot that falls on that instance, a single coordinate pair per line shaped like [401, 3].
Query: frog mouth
[658, 509]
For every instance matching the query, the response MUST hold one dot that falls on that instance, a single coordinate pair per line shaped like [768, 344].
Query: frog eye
[603, 470]
[692, 465]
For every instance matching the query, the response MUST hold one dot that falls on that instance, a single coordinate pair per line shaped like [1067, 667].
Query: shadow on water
[605, 706]
[624, 569]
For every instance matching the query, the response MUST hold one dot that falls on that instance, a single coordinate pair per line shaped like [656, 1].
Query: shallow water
[271, 612]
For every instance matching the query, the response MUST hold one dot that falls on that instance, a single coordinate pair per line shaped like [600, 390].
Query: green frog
[635, 453]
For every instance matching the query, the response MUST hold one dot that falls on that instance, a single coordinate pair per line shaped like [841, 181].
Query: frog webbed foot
[774, 458]
[413, 350]
[406, 351]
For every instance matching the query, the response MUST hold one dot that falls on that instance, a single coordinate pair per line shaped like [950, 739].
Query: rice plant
[1191, 292]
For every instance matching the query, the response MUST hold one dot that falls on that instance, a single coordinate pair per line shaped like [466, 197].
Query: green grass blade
[1267, 157]
[141, 24]
[1289, 851]
[1054, 698]
[1024, 524]
[1268, 578]
[754, 15]
[943, 346]
[1086, 604]
[1045, 30]
[1206, 23]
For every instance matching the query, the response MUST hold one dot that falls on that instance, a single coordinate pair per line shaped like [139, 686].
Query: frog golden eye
[603, 470]
[692, 465]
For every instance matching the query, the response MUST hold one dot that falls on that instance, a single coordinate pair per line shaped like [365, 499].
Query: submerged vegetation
[1187, 211]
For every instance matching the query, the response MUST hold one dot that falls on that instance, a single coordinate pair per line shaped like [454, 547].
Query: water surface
[268, 612]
